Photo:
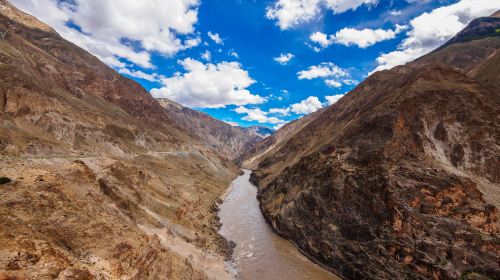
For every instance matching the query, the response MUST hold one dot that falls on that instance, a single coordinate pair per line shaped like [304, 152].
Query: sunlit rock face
[97, 167]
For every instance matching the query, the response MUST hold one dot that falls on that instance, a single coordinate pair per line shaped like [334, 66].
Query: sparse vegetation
[4, 180]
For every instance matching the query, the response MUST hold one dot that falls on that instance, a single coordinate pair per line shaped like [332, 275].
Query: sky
[251, 62]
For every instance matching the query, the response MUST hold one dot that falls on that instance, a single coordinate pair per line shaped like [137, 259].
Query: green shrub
[4, 180]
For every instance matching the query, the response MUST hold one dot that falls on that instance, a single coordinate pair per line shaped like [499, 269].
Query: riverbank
[259, 252]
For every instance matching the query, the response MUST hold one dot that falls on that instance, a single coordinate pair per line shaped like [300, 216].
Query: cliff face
[229, 141]
[97, 167]
[400, 178]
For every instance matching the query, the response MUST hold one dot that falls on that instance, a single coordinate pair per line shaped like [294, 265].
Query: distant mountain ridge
[252, 157]
[230, 141]
[259, 131]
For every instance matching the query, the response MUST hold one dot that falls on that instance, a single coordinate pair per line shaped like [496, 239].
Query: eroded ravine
[259, 252]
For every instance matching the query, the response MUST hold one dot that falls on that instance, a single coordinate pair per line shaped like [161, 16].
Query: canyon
[399, 179]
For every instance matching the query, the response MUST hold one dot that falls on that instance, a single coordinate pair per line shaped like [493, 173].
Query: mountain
[103, 183]
[400, 178]
[230, 141]
[477, 29]
[252, 156]
[259, 131]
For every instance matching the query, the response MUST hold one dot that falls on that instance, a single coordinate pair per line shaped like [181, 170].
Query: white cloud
[323, 70]
[216, 38]
[280, 111]
[284, 58]
[209, 85]
[307, 106]
[432, 29]
[321, 39]
[207, 55]
[365, 37]
[192, 42]
[290, 13]
[258, 115]
[232, 123]
[331, 99]
[362, 38]
[141, 75]
[333, 83]
[278, 126]
[350, 82]
[109, 26]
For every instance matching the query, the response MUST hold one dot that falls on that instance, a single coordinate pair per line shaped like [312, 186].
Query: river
[260, 253]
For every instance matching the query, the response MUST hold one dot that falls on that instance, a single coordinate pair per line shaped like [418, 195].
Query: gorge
[398, 179]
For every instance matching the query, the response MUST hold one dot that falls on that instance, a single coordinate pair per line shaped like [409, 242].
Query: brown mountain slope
[97, 167]
[400, 178]
[251, 158]
[230, 141]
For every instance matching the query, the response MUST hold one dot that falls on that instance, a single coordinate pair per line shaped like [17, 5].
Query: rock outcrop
[103, 184]
[400, 178]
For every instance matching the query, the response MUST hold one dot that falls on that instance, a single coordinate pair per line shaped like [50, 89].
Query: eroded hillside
[97, 169]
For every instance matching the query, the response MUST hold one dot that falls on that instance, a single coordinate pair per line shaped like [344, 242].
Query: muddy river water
[260, 253]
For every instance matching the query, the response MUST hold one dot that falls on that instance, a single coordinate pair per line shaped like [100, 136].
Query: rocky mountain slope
[97, 169]
[400, 178]
[257, 152]
[230, 141]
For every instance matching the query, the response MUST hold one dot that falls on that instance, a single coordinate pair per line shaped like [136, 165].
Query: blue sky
[221, 56]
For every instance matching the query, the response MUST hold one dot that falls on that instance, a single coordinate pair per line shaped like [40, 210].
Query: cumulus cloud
[331, 99]
[321, 39]
[362, 38]
[216, 38]
[333, 83]
[432, 29]
[365, 37]
[290, 13]
[209, 85]
[284, 58]
[307, 106]
[107, 28]
[256, 114]
[323, 70]
[280, 111]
